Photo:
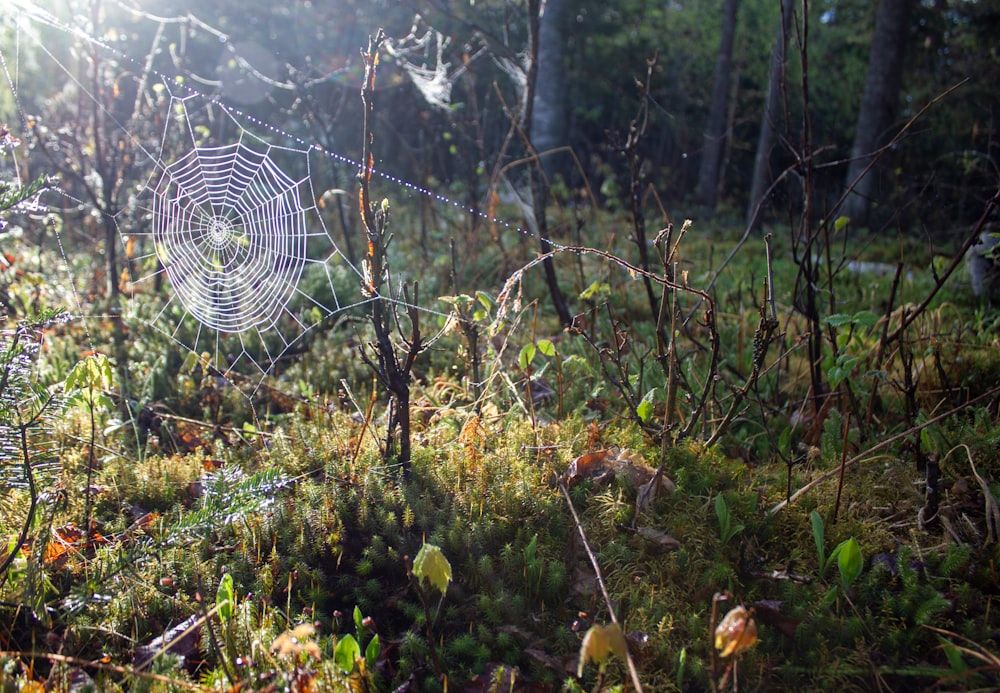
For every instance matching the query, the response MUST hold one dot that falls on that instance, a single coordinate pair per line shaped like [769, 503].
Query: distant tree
[715, 131]
[539, 190]
[879, 103]
[768, 125]
[550, 115]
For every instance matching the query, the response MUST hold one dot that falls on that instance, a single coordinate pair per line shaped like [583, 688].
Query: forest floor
[749, 517]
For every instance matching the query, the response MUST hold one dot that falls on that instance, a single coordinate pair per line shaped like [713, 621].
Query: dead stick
[633, 672]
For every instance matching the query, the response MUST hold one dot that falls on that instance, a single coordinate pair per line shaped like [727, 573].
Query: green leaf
[954, 656]
[430, 564]
[485, 299]
[92, 373]
[838, 320]
[840, 223]
[785, 441]
[358, 620]
[546, 347]
[722, 512]
[526, 356]
[225, 597]
[372, 652]
[596, 290]
[835, 376]
[850, 562]
[681, 666]
[817, 526]
[347, 653]
[645, 408]
[865, 318]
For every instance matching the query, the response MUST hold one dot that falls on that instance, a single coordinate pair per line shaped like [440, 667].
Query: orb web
[229, 229]
[234, 232]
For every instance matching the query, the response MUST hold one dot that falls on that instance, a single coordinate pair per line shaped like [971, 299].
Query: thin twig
[992, 392]
[955, 262]
[101, 666]
[633, 672]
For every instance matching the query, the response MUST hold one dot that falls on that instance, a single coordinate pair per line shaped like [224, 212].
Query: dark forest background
[723, 119]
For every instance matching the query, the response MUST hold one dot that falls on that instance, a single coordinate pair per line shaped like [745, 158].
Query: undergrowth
[799, 453]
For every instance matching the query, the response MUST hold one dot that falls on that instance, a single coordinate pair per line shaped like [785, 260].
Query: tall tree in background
[768, 125]
[715, 131]
[879, 103]
[539, 188]
[550, 115]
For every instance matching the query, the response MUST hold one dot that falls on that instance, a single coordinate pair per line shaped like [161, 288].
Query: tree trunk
[879, 104]
[539, 189]
[550, 112]
[768, 125]
[715, 132]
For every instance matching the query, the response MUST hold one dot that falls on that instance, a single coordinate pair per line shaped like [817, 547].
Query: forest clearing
[516, 345]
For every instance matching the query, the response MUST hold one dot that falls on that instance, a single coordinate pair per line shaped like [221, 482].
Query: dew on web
[226, 246]
[234, 228]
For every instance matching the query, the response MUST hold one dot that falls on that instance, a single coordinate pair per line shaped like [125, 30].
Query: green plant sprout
[431, 570]
[847, 554]
[852, 347]
[347, 652]
[727, 530]
[87, 384]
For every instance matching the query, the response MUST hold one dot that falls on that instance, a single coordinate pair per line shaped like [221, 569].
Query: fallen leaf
[181, 640]
[599, 642]
[736, 633]
[660, 539]
[296, 641]
[602, 465]
[769, 612]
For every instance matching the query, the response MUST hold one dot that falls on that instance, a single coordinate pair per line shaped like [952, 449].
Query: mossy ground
[288, 493]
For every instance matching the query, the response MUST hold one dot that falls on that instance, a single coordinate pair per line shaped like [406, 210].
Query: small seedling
[727, 530]
[431, 570]
[347, 653]
[847, 554]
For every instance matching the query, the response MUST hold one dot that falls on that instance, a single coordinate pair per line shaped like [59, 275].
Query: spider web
[226, 249]
[235, 231]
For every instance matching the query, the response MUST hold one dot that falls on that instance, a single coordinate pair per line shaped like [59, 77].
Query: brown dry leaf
[590, 465]
[584, 580]
[769, 612]
[296, 641]
[561, 667]
[70, 540]
[181, 640]
[601, 465]
[663, 541]
[473, 434]
[651, 490]
[736, 633]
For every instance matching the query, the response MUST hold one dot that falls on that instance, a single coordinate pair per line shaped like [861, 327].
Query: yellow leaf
[736, 633]
[599, 642]
[430, 563]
